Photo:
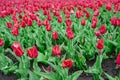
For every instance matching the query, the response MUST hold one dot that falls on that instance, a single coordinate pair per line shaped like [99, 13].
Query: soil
[108, 66]
[7, 77]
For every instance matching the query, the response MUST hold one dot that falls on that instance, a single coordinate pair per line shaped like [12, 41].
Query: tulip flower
[103, 29]
[70, 33]
[32, 52]
[100, 44]
[17, 49]
[9, 24]
[97, 33]
[1, 42]
[67, 63]
[83, 22]
[118, 60]
[55, 35]
[15, 31]
[56, 51]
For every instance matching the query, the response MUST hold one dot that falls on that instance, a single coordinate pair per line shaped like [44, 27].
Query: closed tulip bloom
[67, 63]
[45, 12]
[15, 31]
[1, 42]
[59, 19]
[118, 60]
[32, 52]
[49, 17]
[70, 33]
[94, 19]
[17, 49]
[100, 44]
[9, 24]
[118, 22]
[96, 13]
[109, 6]
[29, 23]
[83, 22]
[94, 24]
[87, 13]
[103, 29]
[48, 27]
[25, 18]
[113, 21]
[97, 33]
[46, 22]
[55, 35]
[39, 23]
[78, 14]
[23, 24]
[56, 51]
[68, 23]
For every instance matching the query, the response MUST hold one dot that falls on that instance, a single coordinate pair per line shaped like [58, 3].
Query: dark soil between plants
[107, 65]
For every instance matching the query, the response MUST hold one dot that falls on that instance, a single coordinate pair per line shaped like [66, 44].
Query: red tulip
[100, 4]
[39, 23]
[67, 63]
[67, 14]
[56, 13]
[55, 35]
[32, 52]
[109, 6]
[45, 12]
[83, 22]
[46, 22]
[118, 22]
[59, 19]
[29, 23]
[15, 31]
[33, 16]
[1, 42]
[116, 7]
[56, 51]
[78, 14]
[113, 21]
[96, 13]
[100, 44]
[48, 27]
[68, 23]
[70, 33]
[103, 29]
[94, 24]
[23, 24]
[87, 13]
[20, 16]
[17, 49]
[49, 17]
[25, 18]
[94, 19]
[9, 24]
[118, 60]
[97, 33]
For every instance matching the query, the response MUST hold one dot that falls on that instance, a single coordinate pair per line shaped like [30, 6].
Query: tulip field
[60, 39]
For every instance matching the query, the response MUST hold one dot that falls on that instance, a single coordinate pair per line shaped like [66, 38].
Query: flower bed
[58, 39]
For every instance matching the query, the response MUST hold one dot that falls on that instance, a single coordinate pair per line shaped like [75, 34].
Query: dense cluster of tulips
[59, 34]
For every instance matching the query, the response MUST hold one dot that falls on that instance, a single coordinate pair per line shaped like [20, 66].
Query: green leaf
[32, 76]
[80, 61]
[109, 77]
[49, 75]
[41, 58]
[96, 70]
[35, 66]
[75, 75]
